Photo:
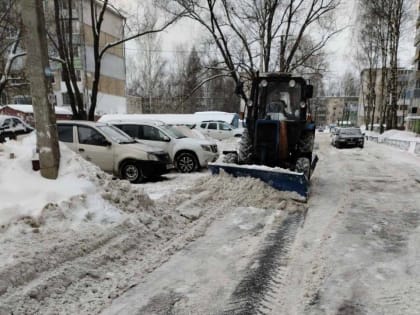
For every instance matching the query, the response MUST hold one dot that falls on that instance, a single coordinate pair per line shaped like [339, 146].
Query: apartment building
[335, 109]
[413, 117]
[371, 101]
[112, 89]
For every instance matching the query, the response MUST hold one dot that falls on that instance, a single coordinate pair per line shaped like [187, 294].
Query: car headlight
[206, 147]
[152, 157]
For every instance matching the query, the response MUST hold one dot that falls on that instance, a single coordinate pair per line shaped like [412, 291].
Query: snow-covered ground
[72, 245]
[203, 244]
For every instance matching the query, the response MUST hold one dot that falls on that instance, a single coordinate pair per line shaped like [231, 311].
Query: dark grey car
[12, 126]
[348, 137]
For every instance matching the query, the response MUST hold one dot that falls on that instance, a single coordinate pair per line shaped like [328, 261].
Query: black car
[12, 126]
[348, 137]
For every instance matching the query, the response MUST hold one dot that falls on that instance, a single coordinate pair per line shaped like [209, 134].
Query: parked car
[188, 154]
[12, 126]
[218, 129]
[113, 150]
[350, 137]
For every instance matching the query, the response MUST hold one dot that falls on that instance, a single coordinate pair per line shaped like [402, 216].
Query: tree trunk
[42, 94]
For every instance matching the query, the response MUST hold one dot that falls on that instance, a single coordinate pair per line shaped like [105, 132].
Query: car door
[94, 147]
[212, 130]
[66, 134]
[224, 131]
[154, 137]
[203, 129]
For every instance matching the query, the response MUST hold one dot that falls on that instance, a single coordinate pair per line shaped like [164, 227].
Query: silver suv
[188, 154]
[113, 150]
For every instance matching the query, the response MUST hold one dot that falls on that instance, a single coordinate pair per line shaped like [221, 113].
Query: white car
[113, 150]
[188, 154]
[219, 129]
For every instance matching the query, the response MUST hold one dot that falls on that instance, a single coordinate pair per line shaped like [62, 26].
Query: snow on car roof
[29, 109]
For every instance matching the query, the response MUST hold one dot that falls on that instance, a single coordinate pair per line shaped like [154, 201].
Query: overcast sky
[340, 49]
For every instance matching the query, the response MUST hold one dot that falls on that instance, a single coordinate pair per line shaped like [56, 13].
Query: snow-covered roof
[29, 109]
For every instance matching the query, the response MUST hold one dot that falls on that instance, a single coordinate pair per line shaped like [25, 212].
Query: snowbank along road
[198, 244]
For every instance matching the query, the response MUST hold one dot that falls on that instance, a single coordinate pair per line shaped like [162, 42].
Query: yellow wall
[109, 85]
[103, 40]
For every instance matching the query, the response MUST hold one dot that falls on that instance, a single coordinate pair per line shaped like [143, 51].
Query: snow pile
[81, 189]
[69, 244]
[247, 192]
[395, 135]
[25, 193]
[400, 135]
[226, 191]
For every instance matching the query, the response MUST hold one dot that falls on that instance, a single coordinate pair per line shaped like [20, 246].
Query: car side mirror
[106, 143]
[166, 139]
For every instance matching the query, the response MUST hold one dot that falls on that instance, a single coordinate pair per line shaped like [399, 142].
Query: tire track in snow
[254, 293]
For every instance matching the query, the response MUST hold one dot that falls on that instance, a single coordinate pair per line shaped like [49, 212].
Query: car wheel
[303, 165]
[186, 162]
[132, 172]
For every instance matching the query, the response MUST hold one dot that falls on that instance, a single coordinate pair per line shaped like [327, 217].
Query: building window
[76, 50]
[66, 98]
[22, 99]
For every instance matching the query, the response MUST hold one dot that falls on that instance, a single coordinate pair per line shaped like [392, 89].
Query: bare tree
[383, 19]
[368, 55]
[350, 84]
[147, 66]
[97, 13]
[10, 40]
[252, 35]
[63, 42]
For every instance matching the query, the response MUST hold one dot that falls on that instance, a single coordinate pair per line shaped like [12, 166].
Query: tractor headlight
[263, 83]
[292, 83]
[302, 105]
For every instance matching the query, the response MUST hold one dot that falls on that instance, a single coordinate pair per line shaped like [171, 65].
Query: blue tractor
[277, 146]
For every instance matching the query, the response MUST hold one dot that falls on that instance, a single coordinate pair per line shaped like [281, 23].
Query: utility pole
[42, 95]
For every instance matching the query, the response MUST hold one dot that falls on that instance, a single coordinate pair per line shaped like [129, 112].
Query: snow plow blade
[280, 179]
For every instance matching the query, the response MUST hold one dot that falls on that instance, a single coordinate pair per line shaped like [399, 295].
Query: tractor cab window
[282, 100]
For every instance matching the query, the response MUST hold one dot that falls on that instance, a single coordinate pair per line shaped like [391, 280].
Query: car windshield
[173, 132]
[350, 131]
[116, 134]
